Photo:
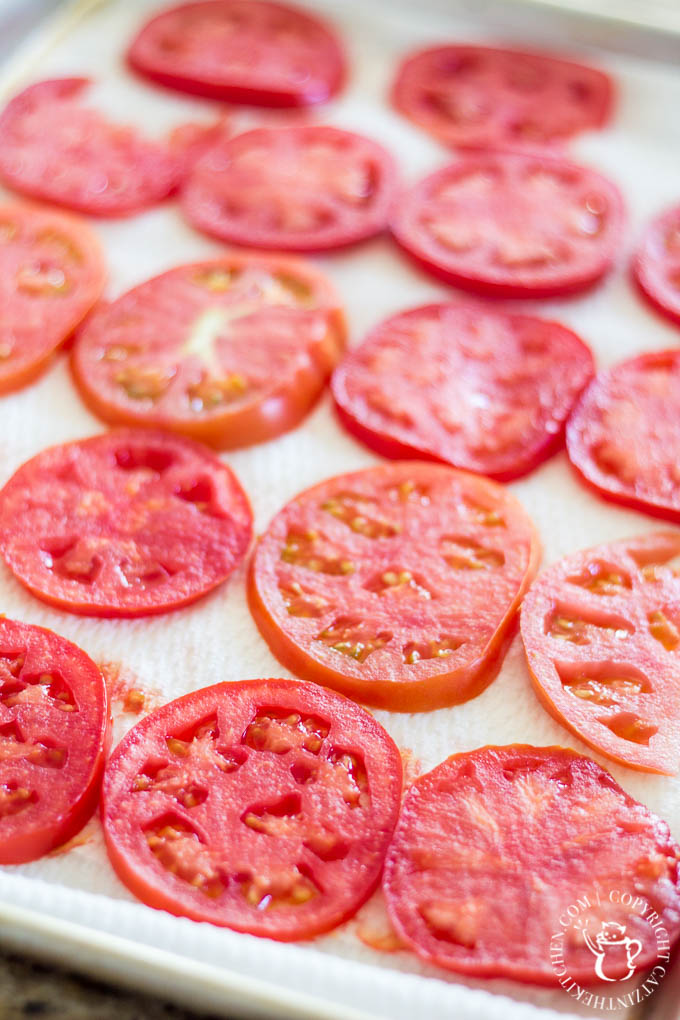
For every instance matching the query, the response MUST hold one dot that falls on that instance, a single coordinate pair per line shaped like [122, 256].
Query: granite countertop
[32, 990]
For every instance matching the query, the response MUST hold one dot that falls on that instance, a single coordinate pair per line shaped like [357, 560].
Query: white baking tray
[70, 907]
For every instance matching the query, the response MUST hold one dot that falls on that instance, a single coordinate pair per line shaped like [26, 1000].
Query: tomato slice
[601, 633]
[622, 436]
[397, 585]
[242, 51]
[481, 389]
[229, 352]
[265, 806]
[189, 140]
[300, 188]
[656, 266]
[55, 150]
[482, 97]
[123, 524]
[54, 729]
[51, 274]
[512, 225]
[494, 845]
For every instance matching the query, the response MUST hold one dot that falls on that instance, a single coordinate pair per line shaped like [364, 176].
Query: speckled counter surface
[31, 990]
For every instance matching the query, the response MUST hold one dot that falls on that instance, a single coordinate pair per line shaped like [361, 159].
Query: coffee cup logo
[612, 936]
[621, 937]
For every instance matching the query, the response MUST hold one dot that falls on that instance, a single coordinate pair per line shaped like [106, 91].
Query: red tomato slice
[601, 633]
[265, 806]
[481, 389]
[58, 151]
[397, 585]
[623, 437]
[492, 848]
[54, 725]
[123, 524]
[229, 352]
[481, 97]
[657, 264]
[511, 225]
[190, 140]
[301, 188]
[51, 274]
[242, 51]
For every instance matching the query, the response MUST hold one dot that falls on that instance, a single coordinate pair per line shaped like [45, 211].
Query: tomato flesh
[51, 274]
[494, 845]
[54, 728]
[300, 188]
[397, 585]
[481, 97]
[622, 436]
[512, 225]
[264, 805]
[255, 52]
[123, 524]
[656, 266]
[480, 389]
[55, 150]
[600, 630]
[229, 352]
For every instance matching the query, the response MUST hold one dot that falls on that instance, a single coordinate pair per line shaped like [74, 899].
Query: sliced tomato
[265, 806]
[656, 266]
[188, 141]
[300, 188]
[622, 437]
[483, 390]
[512, 225]
[123, 524]
[494, 846]
[482, 97]
[55, 150]
[54, 728]
[51, 274]
[397, 585]
[242, 51]
[230, 352]
[601, 630]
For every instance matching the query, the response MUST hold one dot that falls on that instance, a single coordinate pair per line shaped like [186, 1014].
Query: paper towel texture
[216, 638]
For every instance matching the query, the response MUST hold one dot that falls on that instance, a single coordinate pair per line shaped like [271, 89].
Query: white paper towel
[216, 639]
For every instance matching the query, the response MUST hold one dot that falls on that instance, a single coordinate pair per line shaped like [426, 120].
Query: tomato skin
[145, 58]
[390, 448]
[656, 260]
[139, 522]
[242, 96]
[599, 634]
[287, 394]
[387, 447]
[392, 684]
[651, 486]
[66, 805]
[510, 204]
[226, 175]
[381, 694]
[144, 172]
[446, 336]
[424, 76]
[257, 425]
[477, 841]
[73, 252]
[264, 773]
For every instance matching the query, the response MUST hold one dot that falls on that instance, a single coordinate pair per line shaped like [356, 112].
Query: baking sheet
[216, 639]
